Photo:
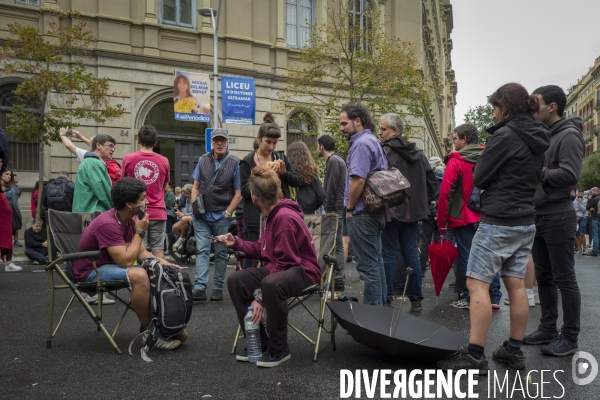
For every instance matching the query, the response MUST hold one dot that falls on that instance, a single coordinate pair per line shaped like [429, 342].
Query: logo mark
[146, 171]
[589, 363]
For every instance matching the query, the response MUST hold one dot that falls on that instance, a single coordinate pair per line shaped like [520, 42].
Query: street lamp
[212, 13]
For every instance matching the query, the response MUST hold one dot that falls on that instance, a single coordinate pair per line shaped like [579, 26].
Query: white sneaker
[507, 301]
[163, 344]
[531, 301]
[537, 299]
[12, 268]
[94, 299]
[177, 245]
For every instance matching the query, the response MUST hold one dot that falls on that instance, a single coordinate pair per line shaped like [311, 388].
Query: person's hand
[434, 203]
[228, 240]
[348, 214]
[142, 224]
[592, 210]
[258, 314]
[165, 262]
[63, 131]
[179, 214]
[45, 244]
[76, 133]
[282, 170]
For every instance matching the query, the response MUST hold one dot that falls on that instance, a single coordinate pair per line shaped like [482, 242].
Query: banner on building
[238, 99]
[191, 94]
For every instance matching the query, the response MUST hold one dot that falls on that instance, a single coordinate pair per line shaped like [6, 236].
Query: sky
[532, 42]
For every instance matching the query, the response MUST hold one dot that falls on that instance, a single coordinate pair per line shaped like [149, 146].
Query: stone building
[583, 101]
[141, 42]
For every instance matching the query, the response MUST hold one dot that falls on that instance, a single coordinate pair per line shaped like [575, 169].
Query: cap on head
[219, 132]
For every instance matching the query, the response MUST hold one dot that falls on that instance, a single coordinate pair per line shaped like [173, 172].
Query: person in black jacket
[309, 195]
[554, 245]
[403, 229]
[36, 243]
[268, 135]
[509, 170]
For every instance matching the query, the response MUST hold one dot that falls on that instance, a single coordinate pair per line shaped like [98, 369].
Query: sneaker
[591, 254]
[415, 306]
[583, 253]
[199, 295]
[507, 301]
[461, 304]
[388, 303]
[536, 299]
[515, 360]
[36, 263]
[217, 295]
[560, 347]
[339, 286]
[94, 299]
[531, 301]
[540, 337]
[242, 355]
[495, 306]
[453, 284]
[163, 344]
[182, 337]
[12, 268]
[17, 243]
[463, 360]
[269, 361]
[177, 245]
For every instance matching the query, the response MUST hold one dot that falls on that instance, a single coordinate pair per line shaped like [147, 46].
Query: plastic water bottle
[252, 337]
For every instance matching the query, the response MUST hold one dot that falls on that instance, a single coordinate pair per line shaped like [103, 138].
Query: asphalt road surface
[82, 364]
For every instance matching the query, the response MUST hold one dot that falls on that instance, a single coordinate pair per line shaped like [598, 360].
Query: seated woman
[119, 234]
[291, 265]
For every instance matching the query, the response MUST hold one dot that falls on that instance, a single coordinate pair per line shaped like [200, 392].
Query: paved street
[82, 364]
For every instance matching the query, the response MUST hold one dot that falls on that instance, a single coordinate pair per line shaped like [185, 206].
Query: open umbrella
[441, 257]
[414, 337]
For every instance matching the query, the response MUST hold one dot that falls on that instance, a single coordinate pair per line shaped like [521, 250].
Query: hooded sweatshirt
[285, 242]
[510, 169]
[92, 186]
[457, 187]
[562, 167]
[415, 167]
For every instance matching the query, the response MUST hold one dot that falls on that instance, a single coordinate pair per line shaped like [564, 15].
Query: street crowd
[511, 207]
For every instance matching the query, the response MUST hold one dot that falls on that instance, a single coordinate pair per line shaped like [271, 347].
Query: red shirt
[154, 170]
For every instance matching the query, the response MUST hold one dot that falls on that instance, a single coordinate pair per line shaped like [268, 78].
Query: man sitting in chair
[288, 252]
[118, 233]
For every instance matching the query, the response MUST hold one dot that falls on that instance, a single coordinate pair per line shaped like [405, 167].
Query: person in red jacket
[288, 252]
[454, 213]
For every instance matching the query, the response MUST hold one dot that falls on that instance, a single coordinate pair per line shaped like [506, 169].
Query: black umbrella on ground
[395, 332]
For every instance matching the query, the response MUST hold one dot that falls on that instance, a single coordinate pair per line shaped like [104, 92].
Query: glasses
[109, 145]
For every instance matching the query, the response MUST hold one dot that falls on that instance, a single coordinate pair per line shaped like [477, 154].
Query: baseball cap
[219, 132]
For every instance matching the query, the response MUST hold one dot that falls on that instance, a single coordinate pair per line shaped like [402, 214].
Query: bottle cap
[250, 308]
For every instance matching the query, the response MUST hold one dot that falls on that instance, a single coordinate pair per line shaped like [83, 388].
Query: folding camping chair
[323, 229]
[64, 231]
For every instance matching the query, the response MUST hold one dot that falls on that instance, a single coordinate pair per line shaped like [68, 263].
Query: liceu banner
[238, 100]
[191, 95]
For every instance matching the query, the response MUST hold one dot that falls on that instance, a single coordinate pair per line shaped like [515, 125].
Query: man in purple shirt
[365, 156]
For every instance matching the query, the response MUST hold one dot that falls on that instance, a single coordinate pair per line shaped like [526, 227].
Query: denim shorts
[110, 272]
[582, 225]
[503, 249]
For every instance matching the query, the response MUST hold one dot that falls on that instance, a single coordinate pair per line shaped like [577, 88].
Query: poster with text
[191, 94]
[238, 100]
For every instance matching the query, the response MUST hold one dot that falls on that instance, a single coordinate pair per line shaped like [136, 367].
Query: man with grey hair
[403, 229]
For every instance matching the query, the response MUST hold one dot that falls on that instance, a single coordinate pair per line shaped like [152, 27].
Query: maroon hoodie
[285, 242]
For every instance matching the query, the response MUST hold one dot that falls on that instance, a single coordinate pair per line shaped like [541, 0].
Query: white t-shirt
[79, 153]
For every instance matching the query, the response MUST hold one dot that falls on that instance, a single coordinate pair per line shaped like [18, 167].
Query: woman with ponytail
[268, 136]
[508, 171]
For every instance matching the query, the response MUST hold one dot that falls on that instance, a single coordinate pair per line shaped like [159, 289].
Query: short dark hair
[147, 135]
[553, 94]
[327, 142]
[468, 132]
[126, 190]
[101, 139]
[355, 110]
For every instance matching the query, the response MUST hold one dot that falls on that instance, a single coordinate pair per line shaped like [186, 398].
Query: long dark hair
[513, 99]
[176, 90]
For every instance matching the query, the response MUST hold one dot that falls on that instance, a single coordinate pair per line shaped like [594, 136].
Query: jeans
[464, 238]
[339, 250]
[365, 233]
[39, 255]
[216, 228]
[554, 259]
[405, 234]
[595, 225]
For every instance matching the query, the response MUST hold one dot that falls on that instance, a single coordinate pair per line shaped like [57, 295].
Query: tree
[590, 172]
[352, 62]
[58, 89]
[481, 117]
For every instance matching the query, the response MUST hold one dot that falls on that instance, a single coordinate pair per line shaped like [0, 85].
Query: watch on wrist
[258, 296]
[350, 209]
[141, 233]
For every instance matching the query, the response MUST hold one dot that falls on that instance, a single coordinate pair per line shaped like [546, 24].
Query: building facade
[141, 42]
[583, 101]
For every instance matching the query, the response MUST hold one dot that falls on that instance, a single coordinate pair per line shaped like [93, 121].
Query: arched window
[302, 126]
[299, 18]
[24, 156]
[361, 22]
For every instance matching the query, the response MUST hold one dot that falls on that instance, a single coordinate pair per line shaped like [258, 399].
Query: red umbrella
[441, 258]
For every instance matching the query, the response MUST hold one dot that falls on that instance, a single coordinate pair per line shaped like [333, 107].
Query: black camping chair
[323, 229]
[64, 231]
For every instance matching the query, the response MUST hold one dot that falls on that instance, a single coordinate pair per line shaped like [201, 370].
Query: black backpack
[170, 303]
[59, 195]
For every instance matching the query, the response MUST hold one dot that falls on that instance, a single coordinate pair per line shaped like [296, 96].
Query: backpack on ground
[170, 303]
[59, 195]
